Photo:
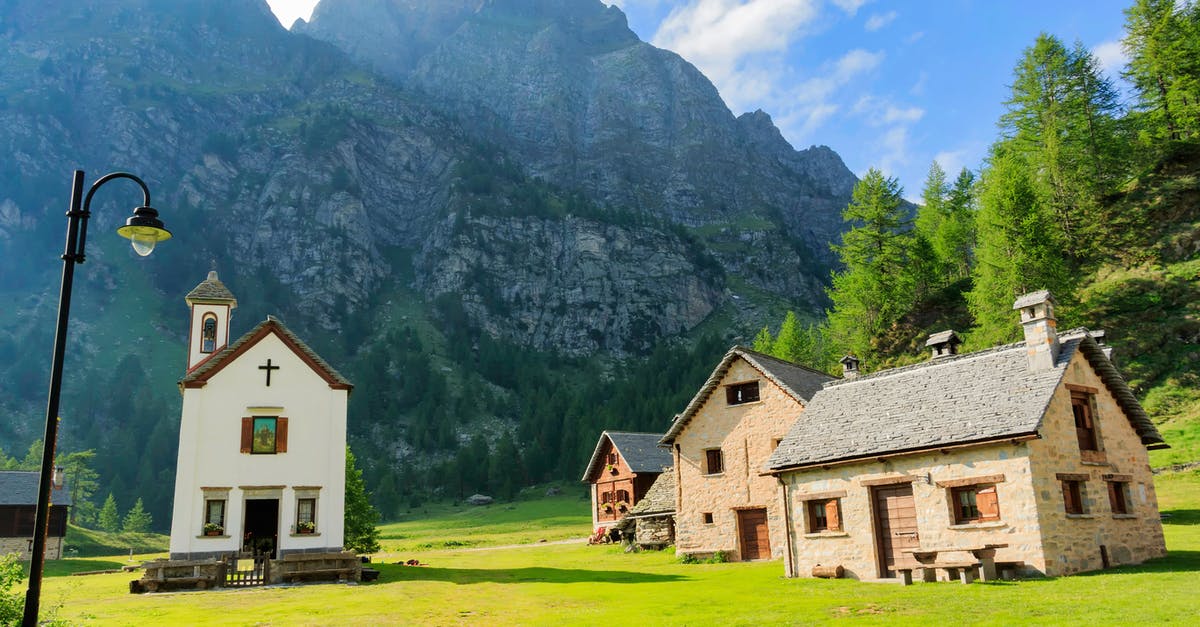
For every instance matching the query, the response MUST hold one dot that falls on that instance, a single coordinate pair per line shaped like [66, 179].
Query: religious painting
[264, 435]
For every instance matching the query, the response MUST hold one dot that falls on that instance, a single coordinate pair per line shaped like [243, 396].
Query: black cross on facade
[268, 368]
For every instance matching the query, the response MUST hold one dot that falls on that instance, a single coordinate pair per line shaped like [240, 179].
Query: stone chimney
[1041, 336]
[944, 344]
[849, 367]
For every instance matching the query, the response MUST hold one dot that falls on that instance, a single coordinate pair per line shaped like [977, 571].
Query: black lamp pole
[145, 230]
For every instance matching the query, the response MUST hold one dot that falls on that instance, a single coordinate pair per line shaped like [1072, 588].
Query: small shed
[652, 521]
[18, 507]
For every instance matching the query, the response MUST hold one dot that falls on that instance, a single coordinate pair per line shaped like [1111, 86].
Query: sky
[887, 84]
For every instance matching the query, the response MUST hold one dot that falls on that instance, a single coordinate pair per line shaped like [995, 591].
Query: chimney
[1041, 338]
[56, 479]
[849, 367]
[944, 344]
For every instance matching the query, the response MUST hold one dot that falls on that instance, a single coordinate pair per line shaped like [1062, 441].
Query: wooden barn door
[895, 526]
[756, 542]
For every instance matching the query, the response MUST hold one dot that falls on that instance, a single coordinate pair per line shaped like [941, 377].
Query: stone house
[720, 444]
[621, 471]
[18, 507]
[1036, 449]
[652, 521]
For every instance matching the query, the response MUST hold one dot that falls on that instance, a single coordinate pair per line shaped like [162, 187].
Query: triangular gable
[798, 382]
[640, 453]
[1108, 373]
[206, 369]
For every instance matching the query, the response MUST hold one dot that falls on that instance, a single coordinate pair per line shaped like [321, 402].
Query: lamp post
[144, 230]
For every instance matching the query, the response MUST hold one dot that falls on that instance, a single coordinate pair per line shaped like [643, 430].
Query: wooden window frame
[709, 458]
[1118, 498]
[1074, 496]
[742, 393]
[968, 507]
[1083, 410]
[823, 515]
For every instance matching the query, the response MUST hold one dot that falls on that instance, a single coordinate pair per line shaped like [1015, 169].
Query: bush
[12, 604]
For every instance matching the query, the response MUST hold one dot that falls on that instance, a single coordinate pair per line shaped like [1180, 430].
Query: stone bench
[163, 575]
[966, 572]
[296, 567]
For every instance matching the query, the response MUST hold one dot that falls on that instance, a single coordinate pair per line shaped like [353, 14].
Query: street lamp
[144, 230]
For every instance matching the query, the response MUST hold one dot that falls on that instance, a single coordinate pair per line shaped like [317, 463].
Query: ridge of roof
[928, 363]
[769, 366]
[200, 375]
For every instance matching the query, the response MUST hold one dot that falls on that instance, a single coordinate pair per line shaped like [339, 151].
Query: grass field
[574, 584]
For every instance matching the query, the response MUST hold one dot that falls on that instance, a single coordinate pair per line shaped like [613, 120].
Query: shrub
[12, 604]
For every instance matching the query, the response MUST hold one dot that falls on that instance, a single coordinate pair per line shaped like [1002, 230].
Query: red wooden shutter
[988, 503]
[247, 434]
[1069, 498]
[833, 522]
[281, 434]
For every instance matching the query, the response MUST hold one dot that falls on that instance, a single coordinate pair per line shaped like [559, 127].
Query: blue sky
[887, 84]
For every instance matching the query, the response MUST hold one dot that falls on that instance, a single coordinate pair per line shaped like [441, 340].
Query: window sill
[827, 534]
[305, 535]
[1094, 462]
[758, 402]
[714, 474]
[1081, 516]
[206, 537]
[1125, 516]
[990, 524]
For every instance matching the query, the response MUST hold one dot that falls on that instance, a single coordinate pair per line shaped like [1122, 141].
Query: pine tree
[1161, 39]
[137, 520]
[1019, 249]
[791, 343]
[763, 342]
[81, 481]
[875, 289]
[360, 516]
[109, 518]
[954, 242]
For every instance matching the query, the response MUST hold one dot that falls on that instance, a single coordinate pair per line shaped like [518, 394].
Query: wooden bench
[983, 566]
[163, 575]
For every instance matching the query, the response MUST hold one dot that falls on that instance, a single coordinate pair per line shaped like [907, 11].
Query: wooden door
[756, 542]
[895, 526]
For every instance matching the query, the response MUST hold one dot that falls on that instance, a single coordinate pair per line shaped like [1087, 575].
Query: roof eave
[1014, 438]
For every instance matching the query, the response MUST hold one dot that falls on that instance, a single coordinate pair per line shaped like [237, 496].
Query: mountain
[478, 210]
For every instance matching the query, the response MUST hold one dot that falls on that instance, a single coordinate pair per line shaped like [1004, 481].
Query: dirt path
[526, 546]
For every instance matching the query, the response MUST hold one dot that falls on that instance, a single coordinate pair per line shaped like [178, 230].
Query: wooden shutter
[833, 522]
[281, 428]
[988, 503]
[1069, 500]
[247, 434]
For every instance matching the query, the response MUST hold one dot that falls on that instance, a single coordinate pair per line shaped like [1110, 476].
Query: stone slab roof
[639, 450]
[799, 382]
[200, 375]
[977, 397]
[19, 487]
[211, 290]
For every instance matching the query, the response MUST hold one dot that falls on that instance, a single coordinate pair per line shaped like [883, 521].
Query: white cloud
[879, 20]
[952, 161]
[912, 38]
[1111, 56]
[850, 6]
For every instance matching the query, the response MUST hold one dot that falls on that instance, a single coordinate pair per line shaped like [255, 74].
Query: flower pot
[214, 532]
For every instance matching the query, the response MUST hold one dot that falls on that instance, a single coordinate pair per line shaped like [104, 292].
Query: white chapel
[262, 439]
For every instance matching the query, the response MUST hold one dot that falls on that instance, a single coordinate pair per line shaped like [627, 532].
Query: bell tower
[212, 305]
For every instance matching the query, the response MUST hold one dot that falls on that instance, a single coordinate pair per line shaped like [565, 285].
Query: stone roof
[211, 290]
[943, 338]
[639, 450]
[798, 382]
[963, 399]
[659, 499]
[19, 487]
[200, 375]
[1032, 299]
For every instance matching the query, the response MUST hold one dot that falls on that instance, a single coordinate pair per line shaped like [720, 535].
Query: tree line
[1038, 215]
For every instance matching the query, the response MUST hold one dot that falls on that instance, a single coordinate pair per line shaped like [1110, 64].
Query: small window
[306, 515]
[214, 514]
[264, 435]
[1073, 492]
[1118, 497]
[208, 334]
[742, 393]
[975, 503]
[1085, 422]
[708, 518]
[612, 458]
[824, 515]
[713, 461]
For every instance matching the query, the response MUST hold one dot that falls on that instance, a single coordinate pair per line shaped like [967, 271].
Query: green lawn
[575, 584]
[522, 522]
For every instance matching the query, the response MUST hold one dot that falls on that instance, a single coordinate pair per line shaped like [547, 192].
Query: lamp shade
[144, 230]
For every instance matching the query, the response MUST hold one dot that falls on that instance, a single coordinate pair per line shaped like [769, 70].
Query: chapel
[262, 439]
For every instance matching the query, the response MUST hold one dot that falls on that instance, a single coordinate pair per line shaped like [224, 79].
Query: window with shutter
[975, 503]
[1085, 423]
[713, 461]
[264, 435]
[1118, 496]
[247, 434]
[824, 515]
[1073, 496]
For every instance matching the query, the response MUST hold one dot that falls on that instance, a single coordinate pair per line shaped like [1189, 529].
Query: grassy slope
[581, 585]
[523, 522]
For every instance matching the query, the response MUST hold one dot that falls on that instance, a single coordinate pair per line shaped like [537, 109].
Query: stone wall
[1072, 542]
[746, 434]
[854, 547]
[655, 531]
[21, 545]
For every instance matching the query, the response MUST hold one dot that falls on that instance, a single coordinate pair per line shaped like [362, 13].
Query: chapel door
[752, 526]
[261, 529]
[895, 526]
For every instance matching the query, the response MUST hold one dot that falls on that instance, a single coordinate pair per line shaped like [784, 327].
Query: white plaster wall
[222, 312]
[210, 440]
